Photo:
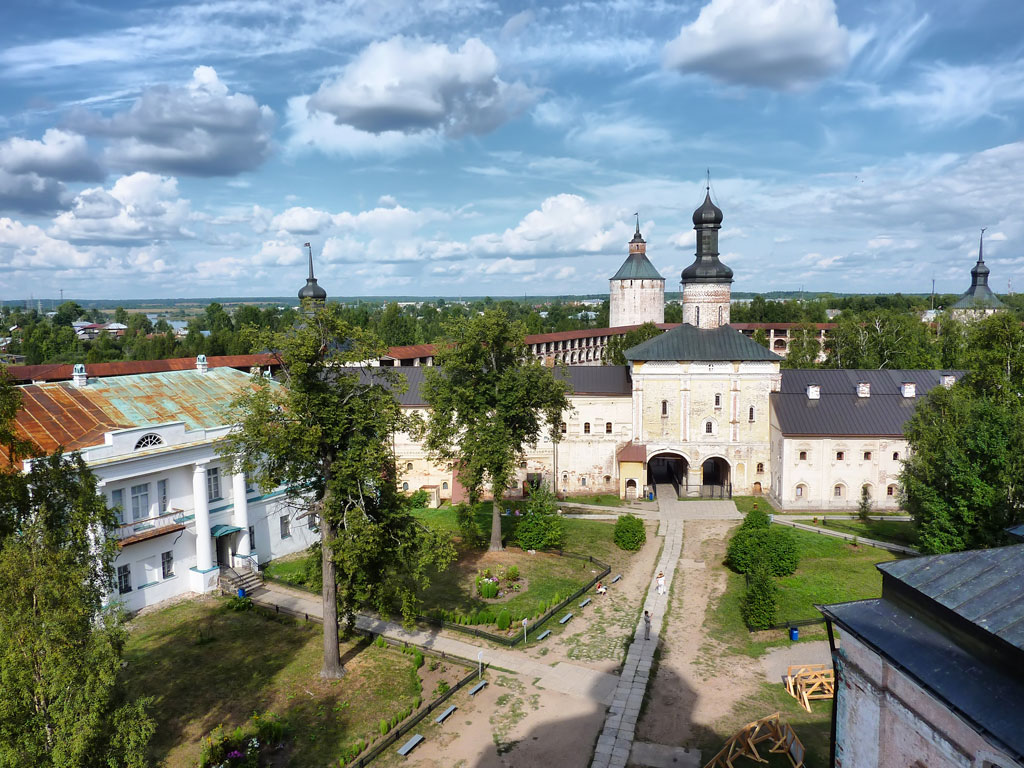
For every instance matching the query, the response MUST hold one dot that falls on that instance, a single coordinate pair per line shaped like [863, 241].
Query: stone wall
[706, 305]
[634, 302]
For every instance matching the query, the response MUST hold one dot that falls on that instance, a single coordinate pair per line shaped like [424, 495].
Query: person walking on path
[661, 583]
[647, 625]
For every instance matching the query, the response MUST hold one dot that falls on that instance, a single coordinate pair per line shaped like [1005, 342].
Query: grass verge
[893, 531]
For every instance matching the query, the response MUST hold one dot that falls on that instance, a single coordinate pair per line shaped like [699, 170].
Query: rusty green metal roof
[59, 414]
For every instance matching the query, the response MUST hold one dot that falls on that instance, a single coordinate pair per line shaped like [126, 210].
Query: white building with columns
[151, 441]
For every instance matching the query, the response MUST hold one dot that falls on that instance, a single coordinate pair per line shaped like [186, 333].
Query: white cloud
[301, 221]
[508, 266]
[26, 246]
[59, 155]
[200, 129]
[410, 86]
[30, 193]
[280, 253]
[780, 44]
[141, 206]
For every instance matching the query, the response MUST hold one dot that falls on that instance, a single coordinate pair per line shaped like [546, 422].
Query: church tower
[707, 282]
[312, 290]
[636, 293]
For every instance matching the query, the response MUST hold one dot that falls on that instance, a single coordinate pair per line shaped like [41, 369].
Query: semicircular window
[148, 441]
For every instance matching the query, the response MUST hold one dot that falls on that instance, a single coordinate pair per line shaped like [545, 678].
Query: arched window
[664, 407]
[840, 455]
[837, 491]
[760, 467]
[563, 428]
[607, 478]
[801, 491]
[405, 486]
[586, 428]
[148, 441]
[867, 455]
[565, 481]
[444, 486]
[607, 427]
[780, 344]
[408, 467]
[719, 315]
[709, 428]
[803, 455]
[718, 400]
[866, 489]
[522, 465]
[895, 455]
[750, 413]
[583, 481]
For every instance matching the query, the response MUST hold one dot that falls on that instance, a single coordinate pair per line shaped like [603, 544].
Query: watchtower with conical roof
[707, 283]
[979, 300]
[636, 293]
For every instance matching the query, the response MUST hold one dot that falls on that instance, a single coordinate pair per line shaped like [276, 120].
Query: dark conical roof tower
[979, 295]
[311, 290]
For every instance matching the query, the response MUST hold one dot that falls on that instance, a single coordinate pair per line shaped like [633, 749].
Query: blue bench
[616, 578]
[565, 618]
[444, 715]
[477, 688]
[410, 745]
[543, 634]
[585, 603]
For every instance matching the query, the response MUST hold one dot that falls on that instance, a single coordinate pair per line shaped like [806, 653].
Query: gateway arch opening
[715, 479]
[667, 468]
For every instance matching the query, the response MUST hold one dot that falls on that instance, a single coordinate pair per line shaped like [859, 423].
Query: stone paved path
[563, 677]
[616, 739]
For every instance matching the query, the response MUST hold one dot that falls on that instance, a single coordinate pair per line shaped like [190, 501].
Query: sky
[470, 147]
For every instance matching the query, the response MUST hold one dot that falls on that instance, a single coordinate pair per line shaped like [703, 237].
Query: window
[313, 521]
[213, 484]
[840, 455]
[709, 428]
[607, 478]
[252, 539]
[167, 564]
[698, 317]
[583, 481]
[719, 315]
[718, 400]
[140, 501]
[895, 455]
[586, 428]
[563, 427]
[124, 579]
[162, 499]
[803, 455]
[405, 486]
[117, 503]
[522, 465]
[148, 441]
[408, 467]
[607, 427]
[799, 491]
[760, 468]
[250, 485]
[866, 490]
[890, 491]
[286, 527]
[867, 455]
[664, 407]
[750, 414]
[444, 486]
[838, 491]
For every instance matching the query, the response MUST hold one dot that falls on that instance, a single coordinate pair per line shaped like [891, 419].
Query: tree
[61, 704]
[489, 399]
[864, 507]
[540, 527]
[761, 337]
[617, 345]
[880, 339]
[121, 316]
[804, 348]
[327, 437]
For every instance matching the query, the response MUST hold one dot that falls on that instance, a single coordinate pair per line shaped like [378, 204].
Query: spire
[311, 290]
[310, 262]
[981, 245]
[637, 214]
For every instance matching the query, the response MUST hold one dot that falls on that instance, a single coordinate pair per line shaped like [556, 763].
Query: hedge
[630, 533]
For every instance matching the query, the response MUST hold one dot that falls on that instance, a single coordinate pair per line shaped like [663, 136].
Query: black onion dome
[707, 269]
[708, 213]
[312, 290]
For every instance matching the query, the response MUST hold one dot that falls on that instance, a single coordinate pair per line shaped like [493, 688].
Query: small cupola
[79, 378]
[813, 391]
[863, 389]
[201, 364]
[908, 389]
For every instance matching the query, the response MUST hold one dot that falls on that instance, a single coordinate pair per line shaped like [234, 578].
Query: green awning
[223, 530]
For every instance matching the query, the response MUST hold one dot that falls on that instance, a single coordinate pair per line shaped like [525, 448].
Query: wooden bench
[585, 603]
[444, 715]
[410, 745]
[477, 688]
[616, 578]
[543, 634]
[565, 618]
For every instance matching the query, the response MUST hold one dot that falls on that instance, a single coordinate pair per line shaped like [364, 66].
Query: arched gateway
[668, 467]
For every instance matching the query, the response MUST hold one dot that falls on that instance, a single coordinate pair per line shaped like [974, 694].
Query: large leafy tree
[617, 346]
[964, 479]
[804, 348]
[489, 400]
[880, 339]
[327, 436]
[61, 704]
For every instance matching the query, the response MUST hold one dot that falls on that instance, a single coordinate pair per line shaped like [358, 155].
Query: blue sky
[465, 147]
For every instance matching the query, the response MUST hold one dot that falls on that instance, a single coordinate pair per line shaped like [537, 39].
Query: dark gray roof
[687, 343]
[985, 587]
[979, 295]
[598, 380]
[840, 412]
[982, 689]
[637, 267]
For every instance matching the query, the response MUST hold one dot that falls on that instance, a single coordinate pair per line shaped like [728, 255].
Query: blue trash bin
[650, 495]
[241, 592]
[794, 633]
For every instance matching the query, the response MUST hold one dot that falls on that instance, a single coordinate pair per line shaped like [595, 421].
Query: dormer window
[148, 441]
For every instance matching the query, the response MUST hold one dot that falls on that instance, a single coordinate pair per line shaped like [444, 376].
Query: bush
[504, 619]
[760, 602]
[469, 529]
[237, 603]
[383, 726]
[417, 659]
[486, 588]
[419, 499]
[773, 547]
[864, 507]
[756, 518]
[630, 533]
[512, 574]
[540, 527]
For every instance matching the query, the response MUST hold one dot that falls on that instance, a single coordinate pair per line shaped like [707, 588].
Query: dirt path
[693, 687]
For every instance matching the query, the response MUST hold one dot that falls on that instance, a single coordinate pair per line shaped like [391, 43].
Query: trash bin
[650, 495]
[241, 592]
[794, 633]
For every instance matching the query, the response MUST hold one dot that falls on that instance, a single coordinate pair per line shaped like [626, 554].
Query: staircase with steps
[231, 580]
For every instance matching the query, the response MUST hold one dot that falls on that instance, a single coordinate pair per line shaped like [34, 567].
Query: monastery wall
[634, 302]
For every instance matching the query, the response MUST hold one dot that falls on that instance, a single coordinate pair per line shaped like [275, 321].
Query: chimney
[863, 389]
[201, 365]
[948, 380]
[813, 392]
[78, 376]
[908, 389]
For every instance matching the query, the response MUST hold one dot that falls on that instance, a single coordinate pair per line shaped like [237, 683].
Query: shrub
[782, 554]
[383, 726]
[512, 574]
[756, 518]
[760, 601]
[419, 499]
[504, 619]
[864, 507]
[469, 529]
[540, 527]
[630, 533]
[417, 658]
[486, 588]
[773, 547]
[237, 603]
[442, 687]
[352, 752]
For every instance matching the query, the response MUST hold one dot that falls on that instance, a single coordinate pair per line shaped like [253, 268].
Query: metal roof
[59, 414]
[985, 587]
[61, 371]
[840, 412]
[688, 343]
[637, 267]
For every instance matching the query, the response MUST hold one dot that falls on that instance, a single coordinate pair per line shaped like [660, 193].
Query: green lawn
[892, 531]
[831, 571]
[600, 499]
[289, 570]
[206, 665]
[746, 503]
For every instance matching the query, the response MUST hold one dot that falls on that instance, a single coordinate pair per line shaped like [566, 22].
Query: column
[241, 517]
[204, 540]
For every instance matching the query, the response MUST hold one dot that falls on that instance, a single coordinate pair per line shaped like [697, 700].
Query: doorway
[668, 468]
